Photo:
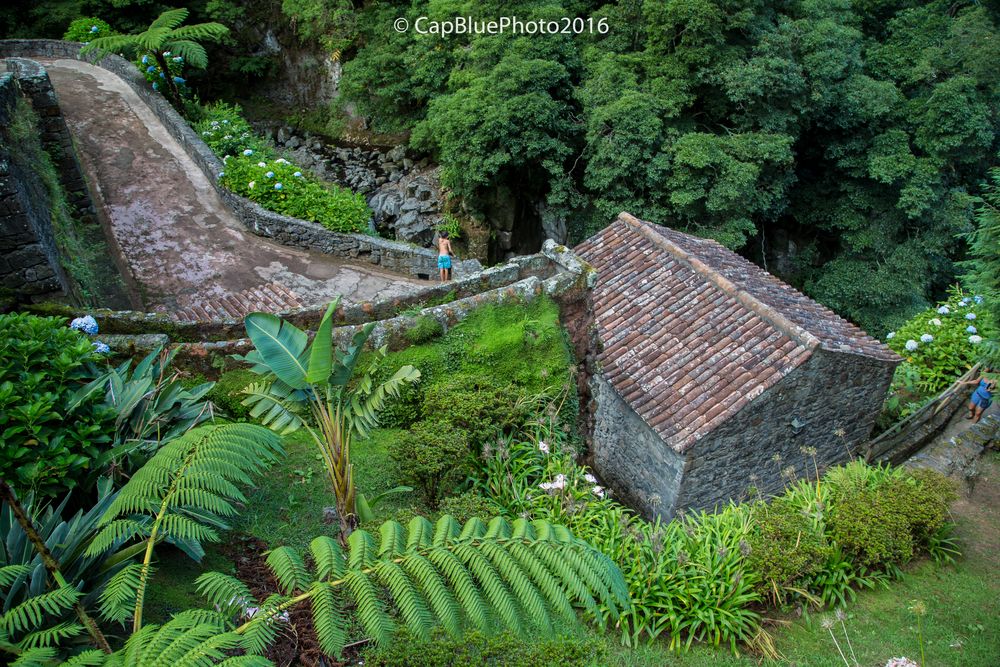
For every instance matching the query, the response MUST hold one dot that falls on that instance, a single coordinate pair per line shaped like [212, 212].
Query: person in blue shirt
[981, 398]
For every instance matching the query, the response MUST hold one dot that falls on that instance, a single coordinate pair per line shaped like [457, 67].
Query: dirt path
[185, 249]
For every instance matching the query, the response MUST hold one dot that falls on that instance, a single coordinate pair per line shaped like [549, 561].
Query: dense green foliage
[702, 577]
[253, 170]
[85, 29]
[50, 439]
[430, 456]
[475, 648]
[842, 141]
[984, 269]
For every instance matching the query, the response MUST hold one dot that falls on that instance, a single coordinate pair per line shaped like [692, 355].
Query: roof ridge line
[766, 312]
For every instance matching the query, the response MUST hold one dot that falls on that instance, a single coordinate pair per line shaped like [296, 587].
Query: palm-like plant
[309, 385]
[166, 34]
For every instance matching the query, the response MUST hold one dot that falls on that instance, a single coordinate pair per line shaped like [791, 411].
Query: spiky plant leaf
[226, 592]
[289, 569]
[117, 601]
[328, 558]
[328, 619]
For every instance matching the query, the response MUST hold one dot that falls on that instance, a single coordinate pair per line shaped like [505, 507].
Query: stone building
[713, 376]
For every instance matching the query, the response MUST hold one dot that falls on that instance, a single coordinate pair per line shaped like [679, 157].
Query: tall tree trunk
[50, 562]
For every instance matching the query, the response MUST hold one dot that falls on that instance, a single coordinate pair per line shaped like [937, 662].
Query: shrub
[786, 548]
[872, 526]
[924, 497]
[474, 648]
[479, 404]
[467, 505]
[942, 343]
[252, 170]
[49, 439]
[425, 328]
[432, 456]
[227, 393]
[83, 29]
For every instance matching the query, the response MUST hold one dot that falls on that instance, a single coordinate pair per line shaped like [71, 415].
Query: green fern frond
[117, 601]
[329, 621]
[117, 533]
[35, 657]
[496, 591]
[50, 637]
[408, 599]
[30, 614]
[288, 569]
[328, 558]
[445, 530]
[435, 590]
[10, 573]
[261, 630]
[363, 551]
[227, 593]
[393, 540]
[170, 19]
[370, 610]
[92, 658]
[467, 591]
[420, 533]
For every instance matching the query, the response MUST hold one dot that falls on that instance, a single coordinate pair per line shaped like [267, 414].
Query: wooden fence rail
[911, 434]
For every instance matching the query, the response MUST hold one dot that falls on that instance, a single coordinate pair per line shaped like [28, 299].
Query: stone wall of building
[629, 457]
[29, 261]
[829, 404]
[392, 255]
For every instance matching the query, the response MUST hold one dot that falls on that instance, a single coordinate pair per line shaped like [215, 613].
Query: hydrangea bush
[942, 343]
[253, 170]
[87, 28]
[146, 62]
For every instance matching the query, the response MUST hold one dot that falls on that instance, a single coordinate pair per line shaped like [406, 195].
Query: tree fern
[182, 494]
[494, 576]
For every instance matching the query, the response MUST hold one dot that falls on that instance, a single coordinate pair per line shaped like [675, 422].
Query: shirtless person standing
[444, 256]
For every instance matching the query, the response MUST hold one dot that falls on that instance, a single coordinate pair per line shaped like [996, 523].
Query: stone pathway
[957, 449]
[188, 252]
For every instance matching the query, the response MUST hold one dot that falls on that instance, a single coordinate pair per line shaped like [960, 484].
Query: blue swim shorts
[978, 400]
[444, 261]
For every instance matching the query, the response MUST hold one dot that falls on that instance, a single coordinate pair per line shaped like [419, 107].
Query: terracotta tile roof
[692, 332]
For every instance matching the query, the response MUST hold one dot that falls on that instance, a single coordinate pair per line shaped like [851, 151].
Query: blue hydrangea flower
[87, 324]
[150, 69]
[912, 345]
[101, 348]
[277, 186]
[297, 174]
[248, 152]
[971, 329]
[221, 174]
[269, 174]
[162, 75]
[965, 301]
[926, 338]
[977, 299]
[94, 28]
[178, 79]
[944, 310]
[970, 316]
[145, 59]
[155, 87]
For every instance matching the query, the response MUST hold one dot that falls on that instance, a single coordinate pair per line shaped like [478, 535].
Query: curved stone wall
[391, 255]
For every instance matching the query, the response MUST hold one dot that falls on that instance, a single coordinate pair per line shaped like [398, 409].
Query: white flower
[598, 491]
[281, 160]
[900, 662]
[269, 174]
[278, 186]
[971, 329]
[964, 302]
[545, 486]
[970, 316]
[251, 184]
[590, 478]
[248, 152]
[975, 340]
[936, 322]
[221, 174]
[926, 338]
[890, 335]
[297, 174]
[205, 133]
[944, 310]
[911, 345]
[261, 164]
[225, 158]
[543, 447]
[166, 53]
[228, 136]
[215, 123]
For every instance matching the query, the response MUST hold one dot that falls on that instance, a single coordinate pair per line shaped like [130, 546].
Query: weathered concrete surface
[957, 449]
[181, 243]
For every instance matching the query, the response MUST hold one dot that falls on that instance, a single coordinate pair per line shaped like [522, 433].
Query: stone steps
[266, 297]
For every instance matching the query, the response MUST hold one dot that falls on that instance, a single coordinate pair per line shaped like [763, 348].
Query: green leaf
[321, 350]
[280, 345]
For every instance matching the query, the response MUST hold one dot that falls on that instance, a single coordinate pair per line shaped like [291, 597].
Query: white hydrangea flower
[975, 340]
[926, 338]
[261, 164]
[944, 310]
[911, 345]
[890, 335]
[251, 184]
[970, 316]
[590, 478]
[936, 322]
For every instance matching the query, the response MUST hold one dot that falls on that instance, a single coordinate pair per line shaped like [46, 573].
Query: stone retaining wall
[392, 255]
[29, 260]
